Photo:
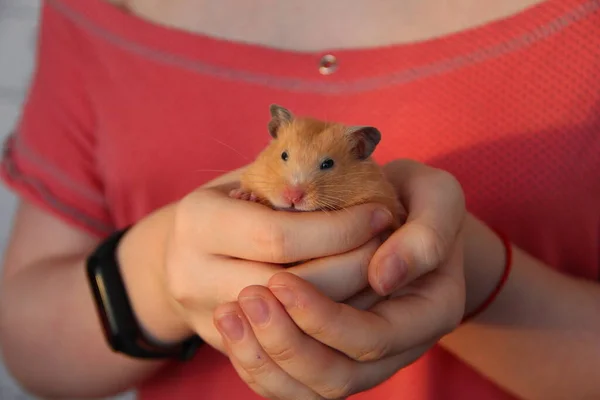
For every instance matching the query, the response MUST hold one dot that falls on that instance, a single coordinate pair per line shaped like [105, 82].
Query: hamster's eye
[327, 164]
[284, 156]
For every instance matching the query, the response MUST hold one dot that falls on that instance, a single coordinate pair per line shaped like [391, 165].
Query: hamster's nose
[293, 194]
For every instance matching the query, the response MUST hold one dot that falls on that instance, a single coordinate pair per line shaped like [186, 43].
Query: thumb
[436, 210]
[409, 253]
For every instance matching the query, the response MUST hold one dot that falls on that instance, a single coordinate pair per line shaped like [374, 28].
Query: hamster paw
[237, 194]
[241, 194]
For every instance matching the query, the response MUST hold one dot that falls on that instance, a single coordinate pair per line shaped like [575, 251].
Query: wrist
[141, 255]
[486, 265]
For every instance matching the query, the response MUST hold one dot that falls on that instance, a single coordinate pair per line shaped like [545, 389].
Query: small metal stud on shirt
[328, 64]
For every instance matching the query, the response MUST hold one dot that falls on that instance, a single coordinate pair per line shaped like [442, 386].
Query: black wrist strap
[121, 328]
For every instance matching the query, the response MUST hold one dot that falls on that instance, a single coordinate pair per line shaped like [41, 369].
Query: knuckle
[245, 376]
[182, 290]
[259, 369]
[175, 281]
[346, 237]
[451, 187]
[186, 218]
[443, 177]
[452, 181]
[273, 242]
[432, 246]
[376, 351]
[283, 354]
[343, 389]
[316, 329]
[323, 326]
[180, 293]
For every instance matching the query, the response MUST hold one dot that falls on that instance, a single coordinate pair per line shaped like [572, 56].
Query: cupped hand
[289, 340]
[219, 245]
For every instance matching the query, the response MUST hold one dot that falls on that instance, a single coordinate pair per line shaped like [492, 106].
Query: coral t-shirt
[124, 116]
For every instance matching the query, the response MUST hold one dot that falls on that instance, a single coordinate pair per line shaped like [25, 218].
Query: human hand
[219, 245]
[294, 342]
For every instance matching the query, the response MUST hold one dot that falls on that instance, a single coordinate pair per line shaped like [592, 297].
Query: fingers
[432, 305]
[251, 362]
[193, 288]
[325, 273]
[389, 328]
[330, 322]
[279, 361]
[317, 366]
[365, 299]
[435, 202]
[251, 231]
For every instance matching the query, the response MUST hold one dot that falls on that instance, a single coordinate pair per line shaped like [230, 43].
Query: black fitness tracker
[121, 328]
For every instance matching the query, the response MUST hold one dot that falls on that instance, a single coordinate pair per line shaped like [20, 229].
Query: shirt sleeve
[50, 158]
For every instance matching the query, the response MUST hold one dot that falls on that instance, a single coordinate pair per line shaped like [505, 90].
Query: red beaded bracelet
[507, 267]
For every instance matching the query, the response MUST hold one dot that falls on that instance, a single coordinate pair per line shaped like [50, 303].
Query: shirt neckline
[359, 69]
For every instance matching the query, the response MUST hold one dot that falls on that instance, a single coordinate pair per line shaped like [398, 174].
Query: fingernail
[256, 309]
[285, 295]
[392, 272]
[380, 219]
[231, 326]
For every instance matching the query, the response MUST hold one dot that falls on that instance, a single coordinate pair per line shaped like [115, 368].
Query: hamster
[316, 165]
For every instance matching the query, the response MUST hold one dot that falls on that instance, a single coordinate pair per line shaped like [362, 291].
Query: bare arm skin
[540, 339]
[46, 260]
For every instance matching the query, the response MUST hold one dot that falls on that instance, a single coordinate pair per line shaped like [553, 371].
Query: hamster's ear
[279, 117]
[364, 140]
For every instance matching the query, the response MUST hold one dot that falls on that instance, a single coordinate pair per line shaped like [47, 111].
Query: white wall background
[18, 33]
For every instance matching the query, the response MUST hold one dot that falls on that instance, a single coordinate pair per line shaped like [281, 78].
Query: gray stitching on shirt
[354, 86]
[26, 152]
[13, 171]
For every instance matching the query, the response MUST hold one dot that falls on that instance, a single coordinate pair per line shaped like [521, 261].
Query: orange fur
[308, 142]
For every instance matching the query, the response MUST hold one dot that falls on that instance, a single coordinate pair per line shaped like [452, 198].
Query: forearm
[51, 335]
[540, 339]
